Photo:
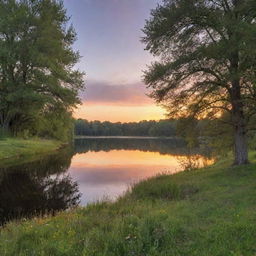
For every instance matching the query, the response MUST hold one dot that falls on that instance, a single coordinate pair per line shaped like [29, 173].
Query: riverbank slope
[21, 150]
[210, 211]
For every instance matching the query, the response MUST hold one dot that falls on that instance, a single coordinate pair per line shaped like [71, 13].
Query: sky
[113, 59]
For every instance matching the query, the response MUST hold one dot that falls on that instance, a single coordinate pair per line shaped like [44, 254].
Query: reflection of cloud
[116, 174]
[108, 94]
[115, 167]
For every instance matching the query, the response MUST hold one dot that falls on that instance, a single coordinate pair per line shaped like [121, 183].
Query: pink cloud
[104, 93]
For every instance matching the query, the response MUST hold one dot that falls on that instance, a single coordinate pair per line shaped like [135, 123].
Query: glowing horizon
[119, 113]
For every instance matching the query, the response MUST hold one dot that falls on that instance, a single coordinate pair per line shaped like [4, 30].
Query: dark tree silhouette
[207, 61]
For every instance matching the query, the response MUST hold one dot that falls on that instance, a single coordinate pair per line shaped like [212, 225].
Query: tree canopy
[160, 128]
[207, 58]
[37, 75]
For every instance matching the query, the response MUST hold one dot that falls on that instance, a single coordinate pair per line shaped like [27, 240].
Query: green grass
[16, 151]
[205, 212]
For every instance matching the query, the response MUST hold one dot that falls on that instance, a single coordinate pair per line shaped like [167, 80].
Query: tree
[187, 128]
[143, 128]
[207, 59]
[37, 74]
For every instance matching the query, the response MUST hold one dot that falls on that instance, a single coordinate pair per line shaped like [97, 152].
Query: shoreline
[124, 137]
[206, 210]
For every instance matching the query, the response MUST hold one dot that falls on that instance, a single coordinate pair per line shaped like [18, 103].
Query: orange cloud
[117, 103]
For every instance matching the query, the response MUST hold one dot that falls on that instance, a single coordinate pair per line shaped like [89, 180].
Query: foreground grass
[20, 150]
[206, 212]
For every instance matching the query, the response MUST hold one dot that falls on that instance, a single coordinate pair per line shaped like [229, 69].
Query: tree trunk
[4, 125]
[240, 144]
[238, 117]
[240, 131]
[5, 129]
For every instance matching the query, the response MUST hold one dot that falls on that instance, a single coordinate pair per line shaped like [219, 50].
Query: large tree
[37, 74]
[207, 61]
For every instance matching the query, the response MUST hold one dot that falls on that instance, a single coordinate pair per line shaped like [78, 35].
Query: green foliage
[217, 217]
[188, 129]
[163, 128]
[160, 128]
[57, 125]
[37, 74]
[219, 136]
[195, 41]
[206, 64]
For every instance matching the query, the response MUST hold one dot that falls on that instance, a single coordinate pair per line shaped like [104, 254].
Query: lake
[92, 169]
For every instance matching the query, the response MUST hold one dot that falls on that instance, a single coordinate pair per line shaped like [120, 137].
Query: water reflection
[105, 167]
[92, 170]
[192, 162]
[37, 188]
[161, 145]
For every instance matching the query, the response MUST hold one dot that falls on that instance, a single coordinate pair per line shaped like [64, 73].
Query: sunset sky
[113, 58]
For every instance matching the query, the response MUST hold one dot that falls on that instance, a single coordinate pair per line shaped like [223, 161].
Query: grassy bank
[14, 150]
[206, 212]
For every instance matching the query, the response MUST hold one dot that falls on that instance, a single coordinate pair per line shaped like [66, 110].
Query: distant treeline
[213, 133]
[162, 128]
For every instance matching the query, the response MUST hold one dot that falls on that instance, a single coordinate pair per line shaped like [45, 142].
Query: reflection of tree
[171, 146]
[61, 193]
[192, 162]
[37, 188]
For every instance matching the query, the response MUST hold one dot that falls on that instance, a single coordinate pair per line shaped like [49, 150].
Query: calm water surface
[92, 170]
